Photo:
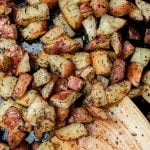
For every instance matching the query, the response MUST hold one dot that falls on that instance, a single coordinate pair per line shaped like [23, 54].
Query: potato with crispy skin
[5, 63]
[146, 77]
[100, 7]
[62, 113]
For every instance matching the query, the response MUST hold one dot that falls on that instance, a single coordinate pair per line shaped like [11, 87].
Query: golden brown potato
[134, 73]
[101, 62]
[146, 93]
[64, 99]
[63, 44]
[118, 71]
[71, 12]
[109, 24]
[71, 132]
[26, 15]
[6, 44]
[80, 115]
[120, 7]
[22, 84]
[62, 114]
[133, 34]
[147, 36]
[5, 63]
[100, 7]
[34, 30]
[146, 77]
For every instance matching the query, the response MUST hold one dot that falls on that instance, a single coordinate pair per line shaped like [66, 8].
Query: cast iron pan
[36, 46]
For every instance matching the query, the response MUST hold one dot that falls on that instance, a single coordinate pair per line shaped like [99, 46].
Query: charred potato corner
[77, 91]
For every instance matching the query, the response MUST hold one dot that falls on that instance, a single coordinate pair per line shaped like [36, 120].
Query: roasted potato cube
[64, 99]
[22, 84]
[75, 83]
[34, 30]
[109, 24]
[117, 91]
[89, 25]
[71, 132]
[61, 22]
[85, 9]
[116, 43]
[101, 62]
[135, 92]
[100, 7]
[66, 145]
[128, 49]
[103, 80]
[146, 78]
[63, 44]
[133, 34]
[62, 114]
[147, 36]
[47, 89]
[71, 12]
[46, 146]
[26, 15]
[4, 146]
[7, 86]
[118, 71]
[51, 35]
[35, 110]
[141, 55]
[61, 65]
[134, 73]
[80, 115]
[81, 60]
[27, 99]
[5, 63]
[146, 93]
[41, 77]
[6, 44]
[98, 43]
[120, 7]
[24, 65]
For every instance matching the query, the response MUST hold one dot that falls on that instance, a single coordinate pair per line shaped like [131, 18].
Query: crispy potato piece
[101, 62]
[71, 12]
[133, 34]
[141, 55]
[35, 110]
[134, 73]
[62, 114]
[109, 24]
[5, 63]
[71, 132]
[34, 30]
[147, 36]
[100, 7]
[81, 60]
[7, 86]
[61, 65]
[64, 99]
[24, 65]
[27, 99]
[97, 96]
[118, 71]
[98, 43]
[41, 77]
[6, 44]
[128, 49]
[135, 92]
[63, 44]
[15, 138]
[116, 43]
[4, 146]
[80, 115]
[146, 93]
[90, 27]
[120, 7]
[144, 7]
[85, 9]
[117, 91]
[146, 77]
[104, 81]
[61, 22]
[75, 83]
[51, 3]
[66, 145]
[51, 35]
[22, 84]
[26, 15]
